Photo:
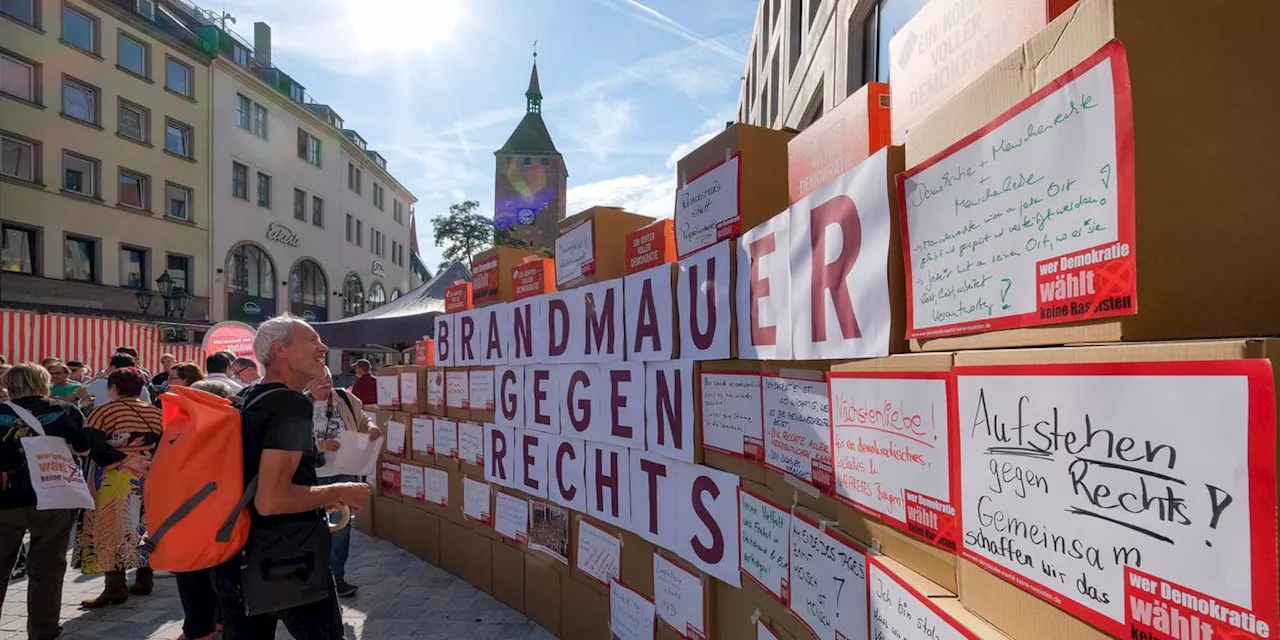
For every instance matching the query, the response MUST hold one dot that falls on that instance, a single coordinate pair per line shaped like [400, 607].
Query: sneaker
[346, 589]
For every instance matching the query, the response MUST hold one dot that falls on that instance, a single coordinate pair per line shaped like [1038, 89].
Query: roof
[531, 136]
[534, 89]
[403, 320]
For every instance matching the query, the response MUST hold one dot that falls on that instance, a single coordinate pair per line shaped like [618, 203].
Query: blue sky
[437, 85]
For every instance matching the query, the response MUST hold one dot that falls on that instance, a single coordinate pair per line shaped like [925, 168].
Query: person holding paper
[335, 411]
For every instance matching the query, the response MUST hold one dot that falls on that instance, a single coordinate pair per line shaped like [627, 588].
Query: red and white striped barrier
[28, 336]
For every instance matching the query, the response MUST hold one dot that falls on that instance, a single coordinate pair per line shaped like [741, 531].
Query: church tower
[530, 178]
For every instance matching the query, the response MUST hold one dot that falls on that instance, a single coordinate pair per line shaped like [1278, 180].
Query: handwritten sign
[471, 443]
[797, 432]
[707, 209]
[409, 387]
[447, 438]
[412, 482]
[424, 435]
[511, 517]
[395, 437]
[457, 389]
[631, 615]
[1101, 488]
[599, 553]
[899, 612]
[890, 438]
[575, 253]
[389, 391]
[1029, 221]
[828, 582]
[678, 597]
[764, 531]
[476, 503]
[732, 421]
[437, 486]
[435, 387]
[480, 389]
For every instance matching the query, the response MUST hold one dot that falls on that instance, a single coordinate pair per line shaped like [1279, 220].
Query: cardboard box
[844, 136]
[1180, 298]
[436, 400]
[454, 510]
[736, 614]
[422, 447]
[584, 613]
[490, 283]
[482, 406]
[940, 599]
[388, 387]
[760, 187]
[591, 245]
[651, 245]
[750, 465]
[417, 532]
[1014, 611]
[457, 408]
[424, 352]
[467, 554]
[389, 478]
[949, 44]
[413, 388]
[366, 520]
[384, 516]
[508, 576]
[457, 297]
[533, 277]
[542, 590]
[637, 563]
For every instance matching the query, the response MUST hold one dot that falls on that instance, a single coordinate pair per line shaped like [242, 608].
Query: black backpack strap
[228, 525]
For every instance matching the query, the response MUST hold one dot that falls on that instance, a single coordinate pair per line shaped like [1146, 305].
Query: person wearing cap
[366, 384]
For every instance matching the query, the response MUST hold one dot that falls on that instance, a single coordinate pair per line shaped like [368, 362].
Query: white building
[807, 56]
[306, 218]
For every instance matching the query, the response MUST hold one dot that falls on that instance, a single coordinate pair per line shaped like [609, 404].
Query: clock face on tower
[526, 216]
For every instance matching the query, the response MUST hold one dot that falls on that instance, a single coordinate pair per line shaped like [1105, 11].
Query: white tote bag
[55, 476]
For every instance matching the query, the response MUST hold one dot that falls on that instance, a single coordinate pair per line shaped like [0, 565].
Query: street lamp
[175, 297]
[165, 282]
[144, 299]
[179, 300]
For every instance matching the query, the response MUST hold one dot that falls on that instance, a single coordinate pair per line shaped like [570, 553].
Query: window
[80, 259]
[379, 195]
[19, 158]
[544, 162]
[397, 211]
[351, 228]
[240, 55]
[299, 204]
[80, 101]
[308, 147]
[146, 8]
[177, 77]
[179, 268]
[133, 121]
[79, 29]
[22, 10]
[354, 177]
[296, 92]
[133, 268]
[239, 181]
[373, 240]
[377, 295]
[177, 201]
[177, 138]
[80, 174]
[252, 272]
[133, 55]
[307, 285]
[395, 252]
[359, 233]
[886, 19]
[18, 246]
[352, 296]
[264, 190]
[19, 78]
[244, 112]
[133, 190]
[259, 121]
[317, 211]
[528, 162]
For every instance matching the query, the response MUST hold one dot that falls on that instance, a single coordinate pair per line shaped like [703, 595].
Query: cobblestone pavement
[400, 597]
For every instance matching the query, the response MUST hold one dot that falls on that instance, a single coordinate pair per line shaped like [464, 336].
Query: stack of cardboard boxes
[903, 390]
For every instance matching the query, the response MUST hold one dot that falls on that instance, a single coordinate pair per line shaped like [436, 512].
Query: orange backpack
[195, 494]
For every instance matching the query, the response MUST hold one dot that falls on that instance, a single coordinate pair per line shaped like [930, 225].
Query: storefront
[251, 284]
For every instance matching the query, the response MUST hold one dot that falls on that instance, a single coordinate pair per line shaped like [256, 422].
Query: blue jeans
[342, 537]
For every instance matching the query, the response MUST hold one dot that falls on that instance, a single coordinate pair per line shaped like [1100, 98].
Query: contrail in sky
[650, 16]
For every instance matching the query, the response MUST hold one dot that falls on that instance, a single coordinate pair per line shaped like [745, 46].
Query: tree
[462, 232]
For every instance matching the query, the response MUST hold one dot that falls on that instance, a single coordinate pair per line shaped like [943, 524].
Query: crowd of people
[291, 417]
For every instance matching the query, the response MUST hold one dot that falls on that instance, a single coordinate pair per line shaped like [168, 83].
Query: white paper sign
[566, 468]
[509, 411]
[412, 482]
[631, 615]
[608, 484]
[437, 486]
[703, 290]
[395, 437]
[707, 208]
[480, 389]
[357, 456]
[763, 632]
[668, 408]
[409, 387]
[424, 435]
[765, 531]
[435, 387]
[891, 449]
[476, 503]
[599, 553]
[709, 519]
[467, 338]
[1041, 185]
[471, 443]
[444, 340]
[565, 336]
[762, 290]
[618, 416]
[828, 583]
[839, 266]
[797, 431]
[1084, 474]
[388, 391]
[511, 517]
[604, 330]
[541, 405]
[898, 611]
[650, 314]
[500, 455]
[496, 337]
[531, 462]
[732, 419]
[678, 597]
[575, 254]
[447, 438]
[457, 389]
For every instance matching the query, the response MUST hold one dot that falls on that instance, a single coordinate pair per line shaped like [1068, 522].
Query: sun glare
[403, 26]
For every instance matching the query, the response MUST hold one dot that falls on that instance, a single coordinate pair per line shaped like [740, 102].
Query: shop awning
[403, 320]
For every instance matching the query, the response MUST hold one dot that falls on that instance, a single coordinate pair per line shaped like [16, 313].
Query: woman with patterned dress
[127, 430]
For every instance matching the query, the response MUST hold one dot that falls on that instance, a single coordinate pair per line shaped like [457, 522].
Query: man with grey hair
[285, 575]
